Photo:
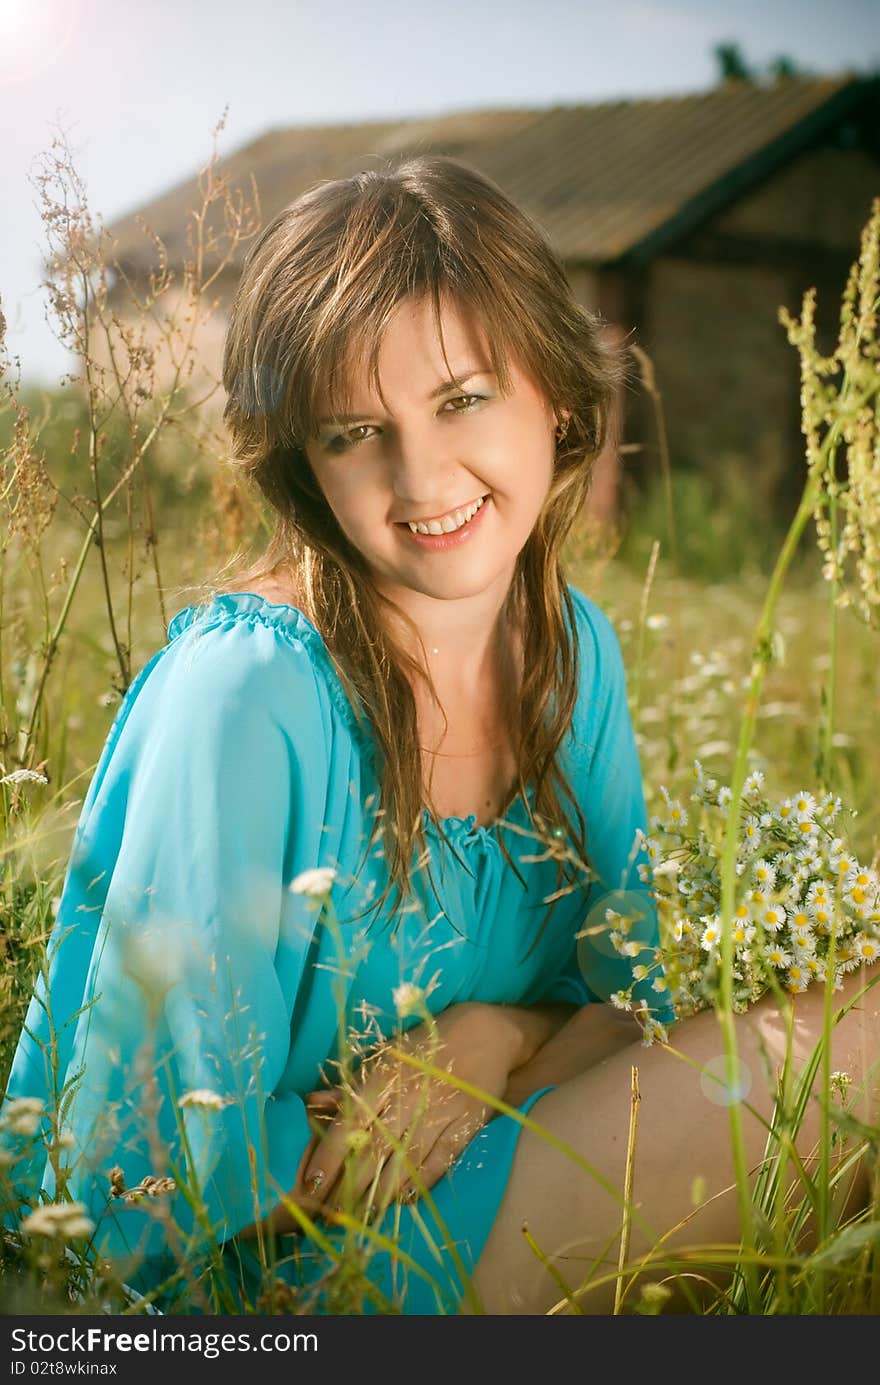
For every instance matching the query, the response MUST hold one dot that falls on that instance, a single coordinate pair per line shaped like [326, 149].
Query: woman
[406, 710]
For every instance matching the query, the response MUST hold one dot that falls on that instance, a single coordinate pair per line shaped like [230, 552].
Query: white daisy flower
[764, 873]
[804, 805]
[777, 956]
[752, 785]
[867, 948]
[773, 918]
[743, 934]
[751, 835]
[711, 936]
[621, 1001]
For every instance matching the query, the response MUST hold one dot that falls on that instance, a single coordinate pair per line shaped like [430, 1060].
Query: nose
[425, 472]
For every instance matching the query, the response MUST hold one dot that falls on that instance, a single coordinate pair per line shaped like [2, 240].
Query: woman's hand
[432, 1119]
[593, 1032]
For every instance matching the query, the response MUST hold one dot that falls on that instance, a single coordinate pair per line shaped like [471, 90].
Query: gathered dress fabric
[191, 999]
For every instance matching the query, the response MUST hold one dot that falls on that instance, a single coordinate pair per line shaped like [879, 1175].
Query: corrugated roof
[610, 180]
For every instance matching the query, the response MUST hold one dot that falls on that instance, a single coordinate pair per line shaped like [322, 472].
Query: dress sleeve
[605, 761]
[176, 923]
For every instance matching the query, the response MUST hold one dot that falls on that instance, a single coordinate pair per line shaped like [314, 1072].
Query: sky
[139, 88]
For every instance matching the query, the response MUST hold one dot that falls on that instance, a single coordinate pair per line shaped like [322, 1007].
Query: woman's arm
[591, 1034]
[528, 1027]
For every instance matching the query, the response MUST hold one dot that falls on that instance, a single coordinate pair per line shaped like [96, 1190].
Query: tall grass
[98, 483]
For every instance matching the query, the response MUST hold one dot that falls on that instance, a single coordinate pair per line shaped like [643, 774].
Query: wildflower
[408, 998]
[840, 1082]
[24, 776]
[773, 918]
[778, 957]
[64, 1220]
[868, 949]
[117, 1181]
[621, 1000]
[316, 881]
[205, 1098]
[711, 936]
[752, 785]
[764, 873]
[149, 1186]
[743, 934]
[752, 835]
[652, 1030]
[804, 806]
[22, 1115]
[653, 1299]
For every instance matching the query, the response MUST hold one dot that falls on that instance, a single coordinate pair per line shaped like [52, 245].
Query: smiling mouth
[479, 501]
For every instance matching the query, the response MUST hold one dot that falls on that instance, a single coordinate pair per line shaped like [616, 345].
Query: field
[737, 658]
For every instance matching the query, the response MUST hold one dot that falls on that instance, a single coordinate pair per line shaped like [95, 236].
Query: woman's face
[436, 450]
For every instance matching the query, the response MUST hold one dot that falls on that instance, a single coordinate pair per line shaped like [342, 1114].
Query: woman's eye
[343, 441]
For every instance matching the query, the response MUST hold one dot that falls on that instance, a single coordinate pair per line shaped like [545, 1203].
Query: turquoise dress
[181, 961]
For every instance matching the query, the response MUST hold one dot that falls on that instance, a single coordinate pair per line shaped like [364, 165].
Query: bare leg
[682, 1134]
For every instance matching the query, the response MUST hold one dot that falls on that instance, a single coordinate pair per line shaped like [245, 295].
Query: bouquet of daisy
[804, 902]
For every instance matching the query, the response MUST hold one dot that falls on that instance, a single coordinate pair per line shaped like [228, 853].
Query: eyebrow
[435, 394]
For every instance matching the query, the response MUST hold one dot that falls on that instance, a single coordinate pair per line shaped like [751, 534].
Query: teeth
[449, 523]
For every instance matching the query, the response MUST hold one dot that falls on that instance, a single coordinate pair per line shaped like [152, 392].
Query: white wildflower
[408, 998]
[711, 936]
[59, 1219]
[620, 1000]
[773, 918]
[205, 1098]
[868, 949]
[777, 956]
[752, 785]
[804, 805]
[316, 881]
[24, 776]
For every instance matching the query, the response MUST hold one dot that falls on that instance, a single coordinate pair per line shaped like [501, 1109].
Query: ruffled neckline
[291, 620]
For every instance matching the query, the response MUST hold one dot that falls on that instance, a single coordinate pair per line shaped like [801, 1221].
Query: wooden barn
[686, 221]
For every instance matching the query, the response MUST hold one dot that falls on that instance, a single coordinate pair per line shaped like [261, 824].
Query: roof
[612, 181]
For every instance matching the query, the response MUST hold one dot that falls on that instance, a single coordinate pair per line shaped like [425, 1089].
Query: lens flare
[34, 37]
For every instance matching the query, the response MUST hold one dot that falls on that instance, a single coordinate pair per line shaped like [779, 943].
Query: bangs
[340, 337]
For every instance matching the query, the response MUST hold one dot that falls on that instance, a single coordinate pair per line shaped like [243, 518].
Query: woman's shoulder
[256, 644]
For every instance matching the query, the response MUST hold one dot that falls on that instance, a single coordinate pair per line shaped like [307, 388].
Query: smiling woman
[294, 761]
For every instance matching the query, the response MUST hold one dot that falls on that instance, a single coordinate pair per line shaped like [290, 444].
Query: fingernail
[315, 1181]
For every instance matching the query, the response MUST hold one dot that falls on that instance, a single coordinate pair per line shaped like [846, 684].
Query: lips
[428, 519]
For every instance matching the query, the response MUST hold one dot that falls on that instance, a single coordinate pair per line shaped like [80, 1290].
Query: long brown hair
[318, 288]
